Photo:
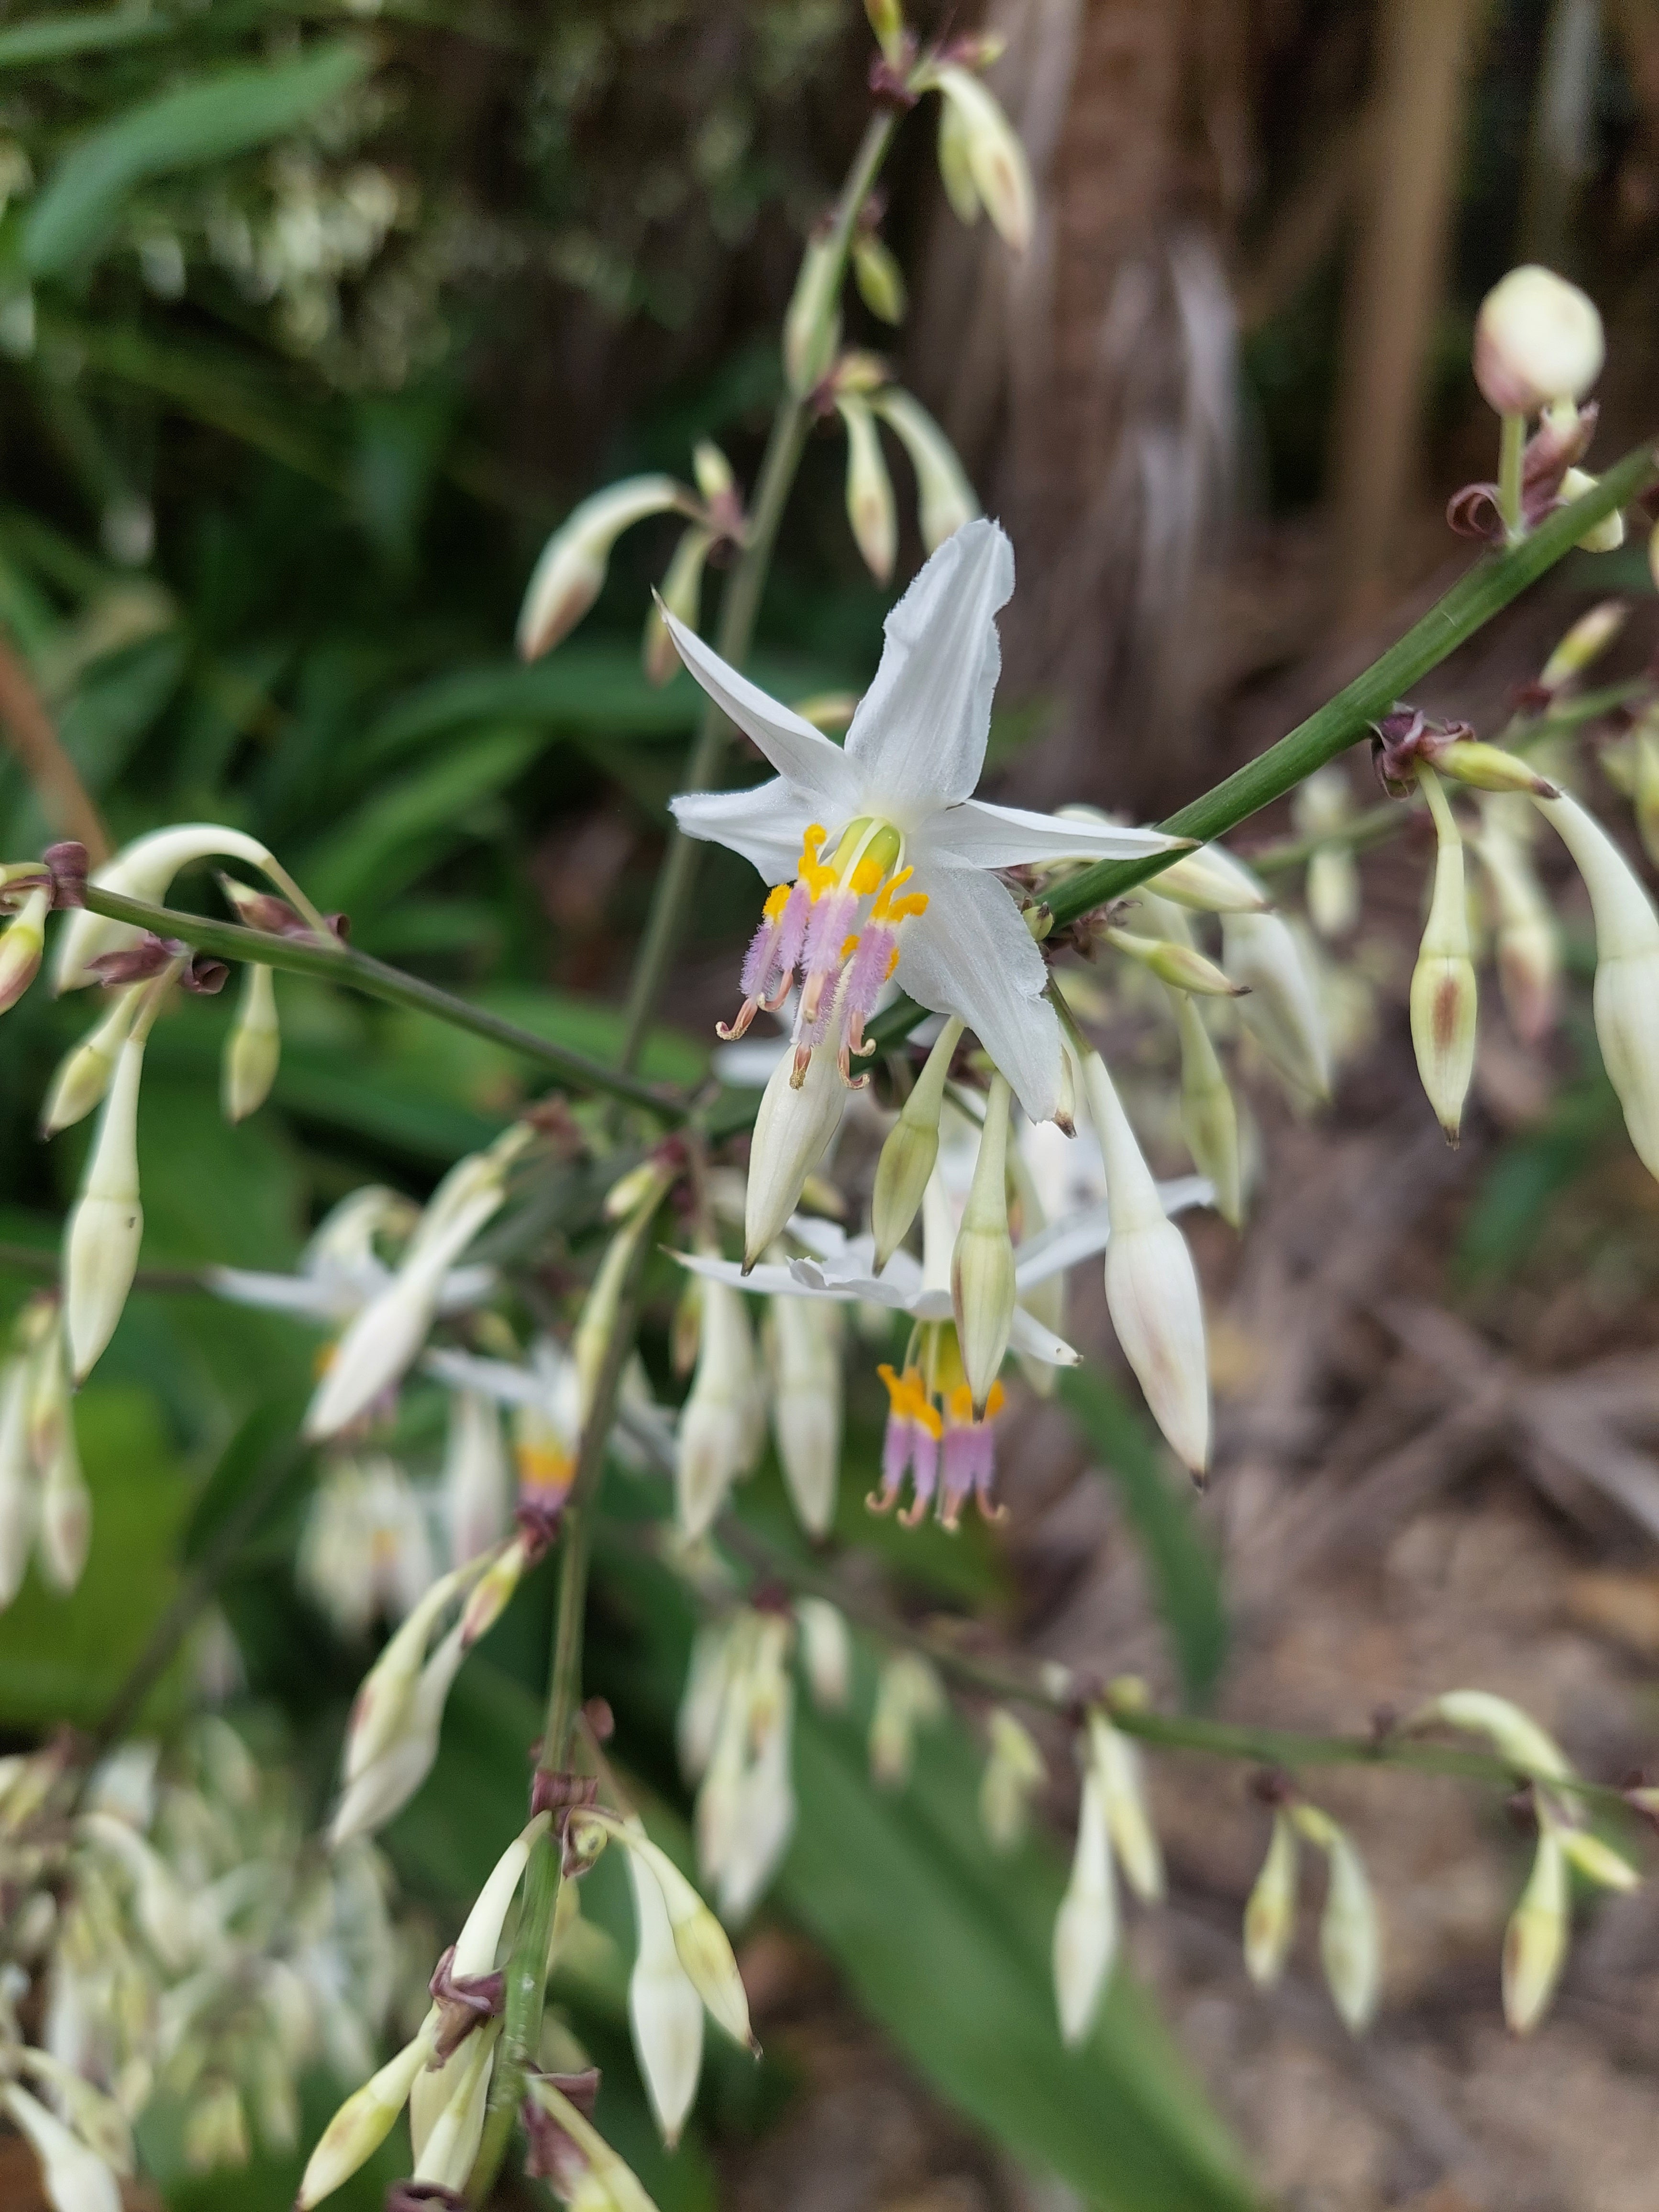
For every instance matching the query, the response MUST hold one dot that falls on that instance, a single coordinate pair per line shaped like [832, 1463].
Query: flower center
[836, 926]
[932, 1433]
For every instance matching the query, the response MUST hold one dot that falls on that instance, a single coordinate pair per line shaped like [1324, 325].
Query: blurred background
[292, 388]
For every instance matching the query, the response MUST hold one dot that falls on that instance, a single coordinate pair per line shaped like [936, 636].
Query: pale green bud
[665, 2012]
[715, 482]
[870, 508]
[1013, 1772]
[1210, 880]
[83, 1076]
[701, 1944]
[793, 1131]
[1527, 942]
[65, 1500]
[1535, 1940]
[104, 1231]
[946, 498]
[451, 2143]
[1116, 1760]
[1605, 536]
[1086, 1926]
[95, 2118]
[1537, 338]
[879, 278]
[253, 1047]
[682, 597]
[912, 1147]
[1596, 1860]
[826, 1652]
[74, 2178]
[1152, 1288]
[216, 2128]
[811, 324]
[1514, 1735]
[1350, 1937]
[570, 573]
[983, 1263]
[1645, 788]
[716, 1441]
[1209, 1118]
[887, 22]
[19, 1492]
[1270, 1913]
[607, 2184]
[1331, 890]
[1626, 971]
[907, 1695]
[1181, 966]
[1489, 767]
[984, 156]
[806, 1405]
[364, 2121]
[1585, 643]
[20, 946]
[1442, 994]
[1282, 1013]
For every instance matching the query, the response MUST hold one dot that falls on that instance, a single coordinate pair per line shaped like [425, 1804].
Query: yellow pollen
[866, 876]
[892, 963]
[962, 1405]
[775, 902]
[995, 1401]
[813, 872]
[850, 946]
[543, 1467]
[903, 908]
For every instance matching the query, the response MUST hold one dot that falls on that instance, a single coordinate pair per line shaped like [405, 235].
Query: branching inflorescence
[1010, 1156]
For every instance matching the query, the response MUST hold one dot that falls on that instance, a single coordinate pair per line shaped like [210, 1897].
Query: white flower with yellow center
[882, 862]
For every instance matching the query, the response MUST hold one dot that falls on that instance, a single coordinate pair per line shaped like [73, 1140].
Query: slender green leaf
[94, 31]
[210, 118]
[1185, 1574]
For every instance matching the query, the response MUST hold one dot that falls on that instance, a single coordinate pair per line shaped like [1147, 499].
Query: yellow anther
[996, 1399]
[542, 1467]
[775, 902]
[927, 1415]
[866, 877]
[892, 964]
[850, 946]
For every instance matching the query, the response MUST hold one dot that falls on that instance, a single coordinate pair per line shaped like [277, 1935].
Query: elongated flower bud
[65, 1500]
[983, 1264]
[1596, 1860]
[254, 1046]
[811, 324]
[945, 497]
[879, 278]
[984, 145]
[1013, 1772]
[681, 595]
[566, 2147]
[1583, 644]
[364, 2121]
[827, 1652]
[665, 2012]
[1350, 1938]
[478, 1490]
[83, 1076]
[1645, 790]
[716, 1443]
[1536, 339]
[1181, 966]
[806, 1405]
[1526, 939]
[20, 947]
[74, 2179]
[1209, 1118]
[570, 574]
[1116, 1760]
[1152, 1289]
[1489, 767]
[1443, 997]
[1535, 1940]
[793, 1131]
[1270, 1913]
[1282, 1012]
[1212, 881]
[1323, 805]
[1087, 1925]
[1605, 536]
[870, 508]
[1626, 971]
[912, 1147]
[907, 1695]
[1513, 1734]
[699, 1940]
[103, 1233]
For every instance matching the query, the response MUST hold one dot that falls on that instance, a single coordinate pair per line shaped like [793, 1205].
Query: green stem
[739, 606]
[1512, 461]
[300, 956]
[527, 1965]
[1473, 600]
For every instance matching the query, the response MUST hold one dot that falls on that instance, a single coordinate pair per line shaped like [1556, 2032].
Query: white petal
[1027, 1335]
[1081, 1235]
[296, 1294]
[764, 823]
[918, 738]
[977, 834]
[970, 954]
[794, 747]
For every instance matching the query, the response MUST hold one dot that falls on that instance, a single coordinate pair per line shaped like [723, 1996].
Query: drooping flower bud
[1489, 767]
[104, 1231]
[1527, 938]
[65, 1500]
[570, 573]
[1116, 1760]
[1013, 1772]
[1442, 994]
[83, 1076]
[907, 1695]
[1086, 1926]
[983, 1263]
[1210, 880]
[1596, 1860]
[20, 947]
[1605, 536]
[870, 508]
[1209, 1118]
[945, 497]
[1537, 338]
[665, 2012]
[1350, 1939]
[477, 1489]
[1583, 644]
[1282, 1013]
[681, 595]
[812, 323]
[793, 1131]
[879, 278]
[912, 1147]
[1183, 967]
[364, 2121]
[1626, 971]
[887, 22]
[1152, 1289]
[807, 1404]
[74, 2178]
[985, 159]
[717, 1439]
[254, 1046]
[826, 1652]
[1270, 1913]
[567, 2149]
[1513, 1734]
[1321, 807]
[1535, 1940]
[700, 1942]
